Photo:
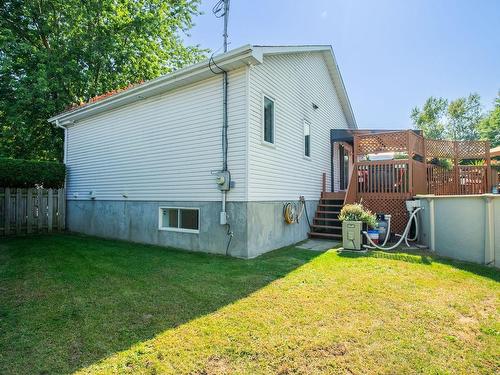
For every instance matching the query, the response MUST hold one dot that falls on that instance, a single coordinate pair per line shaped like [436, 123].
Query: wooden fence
[31, 210]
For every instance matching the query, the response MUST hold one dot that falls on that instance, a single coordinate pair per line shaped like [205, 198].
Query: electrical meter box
[223, 180]
[351, 235]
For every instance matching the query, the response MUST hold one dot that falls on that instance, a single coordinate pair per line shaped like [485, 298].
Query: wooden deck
[385, 185]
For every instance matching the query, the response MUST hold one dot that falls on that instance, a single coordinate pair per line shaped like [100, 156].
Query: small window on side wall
[307, 139]
[180, 219]
[268, 120]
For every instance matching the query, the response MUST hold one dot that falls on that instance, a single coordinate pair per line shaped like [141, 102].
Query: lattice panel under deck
[396, 207]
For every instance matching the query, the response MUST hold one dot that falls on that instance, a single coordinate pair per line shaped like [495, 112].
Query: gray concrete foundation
[258, 227]
[267, 229]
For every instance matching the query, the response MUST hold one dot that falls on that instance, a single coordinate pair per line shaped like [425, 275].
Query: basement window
[268, 126]
[180, 219]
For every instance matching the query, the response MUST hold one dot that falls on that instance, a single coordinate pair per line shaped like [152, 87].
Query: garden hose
[290, 211]
[403, 237]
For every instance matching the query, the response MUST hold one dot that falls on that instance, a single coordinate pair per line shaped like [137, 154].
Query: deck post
[489, 175]
[410, 162]
[456, 167]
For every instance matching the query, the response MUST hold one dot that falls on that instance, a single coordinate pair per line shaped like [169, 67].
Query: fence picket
[7, 211]
[32, 210]
[19, 210]
[50, 209]
[59, 209]
[29, 211]
[41, 211]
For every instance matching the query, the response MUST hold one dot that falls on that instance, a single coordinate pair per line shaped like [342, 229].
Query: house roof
[236, 58]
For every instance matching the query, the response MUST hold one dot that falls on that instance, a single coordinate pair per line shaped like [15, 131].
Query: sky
[392, 55]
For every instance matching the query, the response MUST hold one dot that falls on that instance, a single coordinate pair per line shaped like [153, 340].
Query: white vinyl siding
[295, 82]
[163, 148]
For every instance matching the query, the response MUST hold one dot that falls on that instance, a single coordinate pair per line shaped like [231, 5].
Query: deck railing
[388, 177]
[463, 180]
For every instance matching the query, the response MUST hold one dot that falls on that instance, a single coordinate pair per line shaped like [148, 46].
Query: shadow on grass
[67, 301]
[427, 258]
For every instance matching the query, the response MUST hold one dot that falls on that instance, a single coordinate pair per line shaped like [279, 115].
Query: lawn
[74, 303]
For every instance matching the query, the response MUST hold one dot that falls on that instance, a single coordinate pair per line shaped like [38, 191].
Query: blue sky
[392, 54]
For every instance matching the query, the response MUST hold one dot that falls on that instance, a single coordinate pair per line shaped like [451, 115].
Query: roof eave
[345, 102]
[239, 57]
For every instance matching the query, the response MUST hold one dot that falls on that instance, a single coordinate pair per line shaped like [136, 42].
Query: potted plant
[355, 218]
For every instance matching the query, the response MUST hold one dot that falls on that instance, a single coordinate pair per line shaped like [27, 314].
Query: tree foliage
[464, 115]
[455, 120]
[57, 52]
[489, 127]
[31, 173]
[430, 119]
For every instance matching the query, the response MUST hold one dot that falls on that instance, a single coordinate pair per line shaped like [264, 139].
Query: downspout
[65, 146]
[65, 156]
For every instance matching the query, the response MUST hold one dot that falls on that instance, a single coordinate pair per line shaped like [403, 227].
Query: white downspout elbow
[65, 146]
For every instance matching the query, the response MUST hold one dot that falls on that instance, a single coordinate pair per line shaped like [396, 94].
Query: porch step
[326, 219]
[332, 201]
[326, 226]
[328, 212]
[325, 222]
[325, 235]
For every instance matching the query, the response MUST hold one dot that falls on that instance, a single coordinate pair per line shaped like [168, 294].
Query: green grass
[74, 303]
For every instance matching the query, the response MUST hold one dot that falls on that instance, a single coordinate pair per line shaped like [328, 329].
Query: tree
[464, 115]
[489, 127]
[455, 120]
[430, 119]
[54, 53]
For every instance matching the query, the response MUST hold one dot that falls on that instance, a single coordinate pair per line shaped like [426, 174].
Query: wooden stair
[326, 223]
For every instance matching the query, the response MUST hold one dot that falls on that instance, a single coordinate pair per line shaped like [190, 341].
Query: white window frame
[304, 123]
[183, 230]
[263, 130]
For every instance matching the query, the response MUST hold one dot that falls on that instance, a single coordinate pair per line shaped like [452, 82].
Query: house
[144, 164]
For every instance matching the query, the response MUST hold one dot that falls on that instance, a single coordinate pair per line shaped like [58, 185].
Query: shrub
[356, 212]
[31, 173]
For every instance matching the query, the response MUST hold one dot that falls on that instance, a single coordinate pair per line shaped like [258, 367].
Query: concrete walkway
[318, 245]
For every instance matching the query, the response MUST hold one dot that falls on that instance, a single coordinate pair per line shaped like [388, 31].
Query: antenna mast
[226, 18]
